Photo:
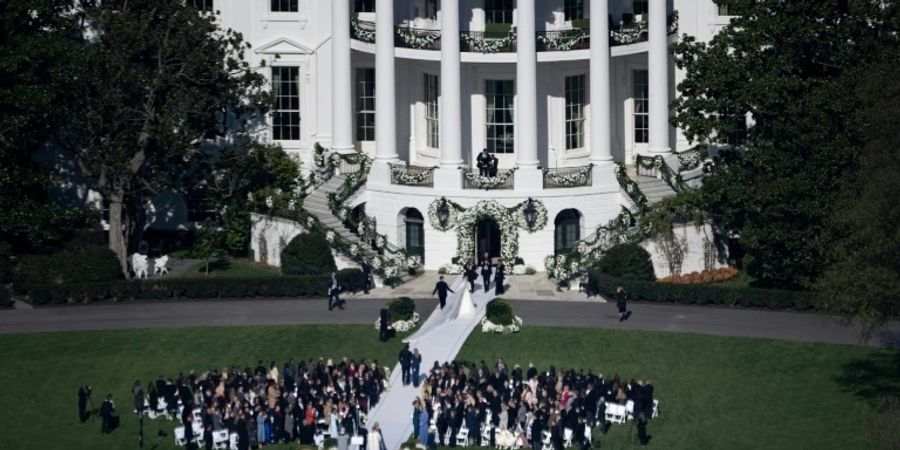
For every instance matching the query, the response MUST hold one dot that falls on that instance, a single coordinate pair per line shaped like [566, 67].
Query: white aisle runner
[439, 339]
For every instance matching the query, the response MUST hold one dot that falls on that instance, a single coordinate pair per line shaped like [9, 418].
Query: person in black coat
[187, 416]
[84, 396]
[484, 163]
[580, 439]
[107, 414]
[441, 288]
[471, 275]
[643, 437]
[367, 275]
[385, 320]
[492, 167]
[334, 290]
[621, 299]
[405, 364]
[499, 278]
[486, 275]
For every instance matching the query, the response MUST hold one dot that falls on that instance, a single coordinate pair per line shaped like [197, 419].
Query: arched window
[568, 229]
[415, 233]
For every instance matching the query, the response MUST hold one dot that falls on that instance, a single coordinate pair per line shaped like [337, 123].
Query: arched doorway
[487, 238]
[567, 230]
[415, 233]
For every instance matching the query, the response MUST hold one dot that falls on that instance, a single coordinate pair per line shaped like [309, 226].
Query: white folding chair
[232, 442]
[655, 408]
[159, 265]
[198, 430]
[567, 437]
[546, 444]
[486, 435]
[462, 438]
[179, 436]
[587, 434]
[629, 410]
[220, 439]
[615, 413]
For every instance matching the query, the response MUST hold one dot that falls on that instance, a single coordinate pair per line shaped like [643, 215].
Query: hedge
[499, 312]
[627, 261]
[188, 288]
[705, 294]
[77, 264]
[307, 254]
[401, 308]
[5, 298]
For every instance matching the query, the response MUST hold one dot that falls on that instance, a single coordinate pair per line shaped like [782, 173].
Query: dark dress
[499, 279]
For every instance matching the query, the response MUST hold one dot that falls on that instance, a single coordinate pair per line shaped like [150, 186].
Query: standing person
[621, 303]
[415, 365]
[642, 429]
[492, 169]
[373, 439]
[84, 396]
[486, 275]
[471, 275]
[424, 423]
[405, 361]
[500, 278]
[367, 275]
[484, 163]
[187, 417]
[442, 288]
[138, 392]
[107, 411]
[417, 413]
[383, 324]
[333, 291]
[485, 259]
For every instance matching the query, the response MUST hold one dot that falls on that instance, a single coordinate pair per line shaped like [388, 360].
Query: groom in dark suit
[486, 274]
[442, 288]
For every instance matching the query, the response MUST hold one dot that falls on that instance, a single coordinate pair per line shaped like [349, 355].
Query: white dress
[466, 307]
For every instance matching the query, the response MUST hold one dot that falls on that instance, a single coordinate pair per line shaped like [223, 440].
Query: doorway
[487, 238]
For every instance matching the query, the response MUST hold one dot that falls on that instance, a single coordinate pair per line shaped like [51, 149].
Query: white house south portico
[561, 92]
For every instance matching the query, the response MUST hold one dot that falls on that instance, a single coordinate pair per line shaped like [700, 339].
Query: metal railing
[487, 41]
[505, 179]
[567, 177]
[418, 38]
[412, 175]
[349, 166]
[563, 40]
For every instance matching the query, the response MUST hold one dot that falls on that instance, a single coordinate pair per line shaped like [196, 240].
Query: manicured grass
[41, 373]
[232, 268]
[714, 392]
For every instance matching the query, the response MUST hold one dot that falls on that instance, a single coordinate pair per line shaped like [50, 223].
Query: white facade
[448, 86]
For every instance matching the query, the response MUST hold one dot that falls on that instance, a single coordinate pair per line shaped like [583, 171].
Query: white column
[526, 87]
[451, 109]
[658, 77]
[342, 84]
[601, 153]
[385, 91]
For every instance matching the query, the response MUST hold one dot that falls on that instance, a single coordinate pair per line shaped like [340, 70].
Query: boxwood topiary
[401, 308]
[74, 265]
[629, 261]
[307, 254]
[500, 312]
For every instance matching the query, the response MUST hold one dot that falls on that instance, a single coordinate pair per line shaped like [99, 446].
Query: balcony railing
[418, 38]
[362, 30]
[563, 40]
[567, 177]
[472, 179]
[412, 175]
[488, 41]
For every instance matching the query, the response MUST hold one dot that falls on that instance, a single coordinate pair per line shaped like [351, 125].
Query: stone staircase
[653, 188]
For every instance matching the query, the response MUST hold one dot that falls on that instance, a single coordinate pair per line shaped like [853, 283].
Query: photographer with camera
[84, 397]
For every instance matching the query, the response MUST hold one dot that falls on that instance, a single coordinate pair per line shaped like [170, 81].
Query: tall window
[641, 107]
[499, 116]
[431, 9]
[640, 7]
[284, 6]
[573, 9]
[365, 104]
[432, 114]
[415, 233]
[367, 6]
[723, 8]
[286, 115]
[202, 5]
[498, 11]
[575, 112]
[567, 230]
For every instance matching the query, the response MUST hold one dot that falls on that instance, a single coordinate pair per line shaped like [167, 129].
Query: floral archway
[510, 220]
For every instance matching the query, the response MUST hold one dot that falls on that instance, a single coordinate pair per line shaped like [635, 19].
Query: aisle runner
[439, 339]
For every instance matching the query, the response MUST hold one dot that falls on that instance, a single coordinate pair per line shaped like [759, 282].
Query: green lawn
[232, 268]
[714, 392]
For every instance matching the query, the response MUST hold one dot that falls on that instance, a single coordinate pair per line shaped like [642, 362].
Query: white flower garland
[489, 45]
[490, 327]
[451, 269]
[418, 38]
[570, 180]
[400, 326]
[361, 33]
[562, 40]
[404, 176]
[486, 182]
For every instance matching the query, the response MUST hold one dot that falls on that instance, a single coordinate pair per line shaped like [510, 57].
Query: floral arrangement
[489, 327]
[631, 188]
[570, 179]
[657, 166]
[704, 277]
[418, 38]
[489, 45]
[359, 32]
[632, 33]
[562, 40]
[509, 219]
[401, 175]
[692, 158]
[450, 269]
[486, 182]
[400, 326]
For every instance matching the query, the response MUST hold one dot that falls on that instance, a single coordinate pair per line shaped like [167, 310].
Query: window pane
[365, 104]
[641, 106]
[286, 116]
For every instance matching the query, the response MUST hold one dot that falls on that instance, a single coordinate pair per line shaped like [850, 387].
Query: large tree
[39, 48]
[791, 66]
[864, 281]
[159, 78]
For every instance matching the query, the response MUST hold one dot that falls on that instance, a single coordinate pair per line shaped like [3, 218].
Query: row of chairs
[623, 413]
[222, 439]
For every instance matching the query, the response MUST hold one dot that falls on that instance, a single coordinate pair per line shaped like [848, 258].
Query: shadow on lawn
[874, 378]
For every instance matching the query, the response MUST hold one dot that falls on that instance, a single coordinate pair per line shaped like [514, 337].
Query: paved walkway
[521, 287]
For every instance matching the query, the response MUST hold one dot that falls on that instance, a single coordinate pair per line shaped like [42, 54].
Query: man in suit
[333, 291]
[621, 304]
[486, 275]
[492, 169]
[500, 278]
[484, 163]
[385, 317]
[405, 363]
[442, 288]
[367, 276]
[84, 396]
[107, 411]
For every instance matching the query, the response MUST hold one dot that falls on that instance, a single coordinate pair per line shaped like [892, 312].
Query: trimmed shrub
[401, 308]
[628, 261]
[78, 264]
[351, 279]
[307, 254]
[5, 297]
[6, 264]
[706, 294]
[500, 312]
